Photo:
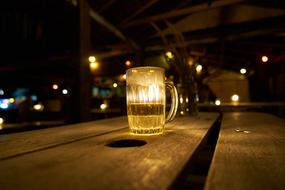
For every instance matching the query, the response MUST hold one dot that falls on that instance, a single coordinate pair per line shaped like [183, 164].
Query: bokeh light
[92, 59]
[264, 58]
[64, 91]
[242, 71]
[199, 68]
[55, 86]
[235, 98]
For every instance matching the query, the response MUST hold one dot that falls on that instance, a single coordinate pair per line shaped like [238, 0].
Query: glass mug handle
[174, 101]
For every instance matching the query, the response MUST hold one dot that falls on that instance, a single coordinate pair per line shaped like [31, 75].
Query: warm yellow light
[103, 106]
[242, 71]
[11, 100]
[128, 63]
[199, 68]
[190, 61]
[264, 59]
[169, 55]
[181, 100]
[122, 77]
[55, 86]
[38, 107]
[218, 102]
[92, 59]
[1, 120]
[94, 65]
[235, 98]
[115, 85]
[182, 112]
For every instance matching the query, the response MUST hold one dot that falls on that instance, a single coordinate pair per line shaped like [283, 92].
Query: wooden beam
[233, 34]
[101, 20]
[180, 12]
[139, 11]
[82, 94]
[106, 5]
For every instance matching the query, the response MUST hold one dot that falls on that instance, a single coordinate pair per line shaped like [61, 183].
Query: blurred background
[64, 61]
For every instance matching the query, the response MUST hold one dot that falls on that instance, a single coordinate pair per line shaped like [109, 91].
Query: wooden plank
[21, 143]
[250, 153]
[90, 164]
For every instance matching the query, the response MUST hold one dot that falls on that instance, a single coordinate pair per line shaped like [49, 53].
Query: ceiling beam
[231, 34]
[106, 5]
[139, 11]
[181, 12]
[101, 20]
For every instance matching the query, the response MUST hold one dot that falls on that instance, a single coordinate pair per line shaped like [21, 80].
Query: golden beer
[146, 118]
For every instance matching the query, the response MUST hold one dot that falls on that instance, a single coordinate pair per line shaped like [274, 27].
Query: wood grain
[21, 143]
[90, 164]
[250, 153]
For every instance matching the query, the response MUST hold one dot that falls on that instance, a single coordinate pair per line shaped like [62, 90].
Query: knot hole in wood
[125, 143]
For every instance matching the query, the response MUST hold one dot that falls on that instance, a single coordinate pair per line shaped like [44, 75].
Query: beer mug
[146, 100]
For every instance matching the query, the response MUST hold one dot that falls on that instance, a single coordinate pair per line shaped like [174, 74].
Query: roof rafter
[180, 12]
[139, 11]
[107, 5]
[101, 20]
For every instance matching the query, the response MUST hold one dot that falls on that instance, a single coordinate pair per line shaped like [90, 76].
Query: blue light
[4, 106]
[34, 98]
[4, 103]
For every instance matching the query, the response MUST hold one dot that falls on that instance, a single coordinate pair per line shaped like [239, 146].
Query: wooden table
[103, 155]
[77, 156]
[250, 153]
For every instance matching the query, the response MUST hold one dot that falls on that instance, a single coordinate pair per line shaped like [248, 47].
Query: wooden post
[83, 84]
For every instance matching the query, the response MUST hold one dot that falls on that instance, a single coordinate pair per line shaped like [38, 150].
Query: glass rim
[146, 67]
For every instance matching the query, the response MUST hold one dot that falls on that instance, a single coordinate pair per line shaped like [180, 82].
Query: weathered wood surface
[90, 164]
[25, 142]
[250, 153]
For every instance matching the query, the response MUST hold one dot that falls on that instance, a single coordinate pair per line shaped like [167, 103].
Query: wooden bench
[250, 153]
[103, 155]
